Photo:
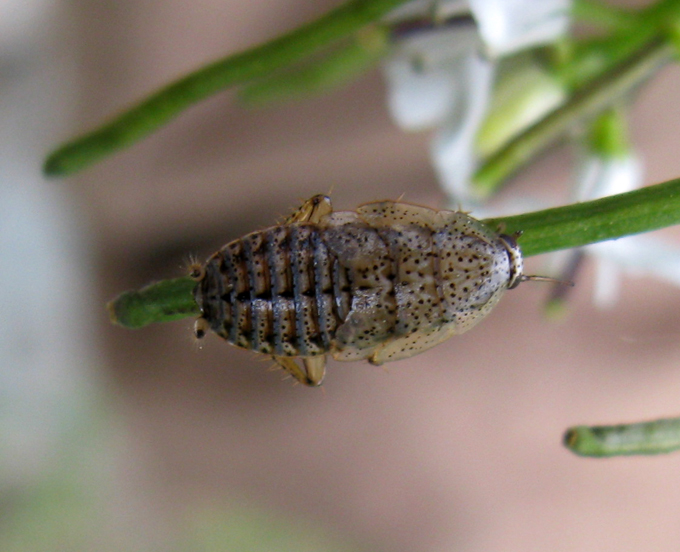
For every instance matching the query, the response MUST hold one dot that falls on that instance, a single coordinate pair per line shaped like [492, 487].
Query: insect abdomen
[278, 291]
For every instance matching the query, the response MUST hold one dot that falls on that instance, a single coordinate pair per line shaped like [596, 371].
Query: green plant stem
[603, 14]
[580, 224]
[583, 105]
[357, 55]
[591, 57]
[159, 302]
[654, 437]
[170, 101]
[544, 231]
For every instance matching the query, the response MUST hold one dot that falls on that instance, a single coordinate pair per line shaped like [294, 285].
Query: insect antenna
[535, 278]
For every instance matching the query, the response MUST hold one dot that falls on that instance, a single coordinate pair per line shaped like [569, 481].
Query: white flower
[605, 175]
[506, 26]
[633, 255]
[426, 75]
[453, 147]
[509, 26]
[440, 75]
[600, 176]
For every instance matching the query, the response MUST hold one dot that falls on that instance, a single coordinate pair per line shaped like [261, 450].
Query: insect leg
[311, 372]
[312, 210]
[316, 368]
[201, 326]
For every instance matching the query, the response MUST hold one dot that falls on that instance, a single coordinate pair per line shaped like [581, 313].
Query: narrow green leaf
[590, 57]
[159, 302]
[335, 68]
[580, 224]
[169, 102]
[656, 437]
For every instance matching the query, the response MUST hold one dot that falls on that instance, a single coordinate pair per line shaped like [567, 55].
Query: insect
[382, 283]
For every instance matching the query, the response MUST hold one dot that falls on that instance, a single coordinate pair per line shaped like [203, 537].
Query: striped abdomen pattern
[278, 291]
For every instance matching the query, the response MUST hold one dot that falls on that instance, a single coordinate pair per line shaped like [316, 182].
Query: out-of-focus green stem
[544, 231]
[604, 14]
[170, 101]
[159, 302]
[590, 58]
[584, 104]
[608, 135]
[362, 51]
[580, 224]
[654, 437]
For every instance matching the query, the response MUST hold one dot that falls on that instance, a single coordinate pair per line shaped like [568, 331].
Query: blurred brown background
[458, 449]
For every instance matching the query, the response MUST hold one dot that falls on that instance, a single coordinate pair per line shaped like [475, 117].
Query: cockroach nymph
[383, 283]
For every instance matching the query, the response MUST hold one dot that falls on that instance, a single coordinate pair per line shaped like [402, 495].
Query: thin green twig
[348, 61]
[579, 224]
[604, 14]
[159, 302]
[170, 101]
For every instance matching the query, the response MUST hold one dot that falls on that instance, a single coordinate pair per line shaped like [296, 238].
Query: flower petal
[424, 75]
[453, 148]
[511, 25]
[600, 177]
[641, 255]
[435, 9]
